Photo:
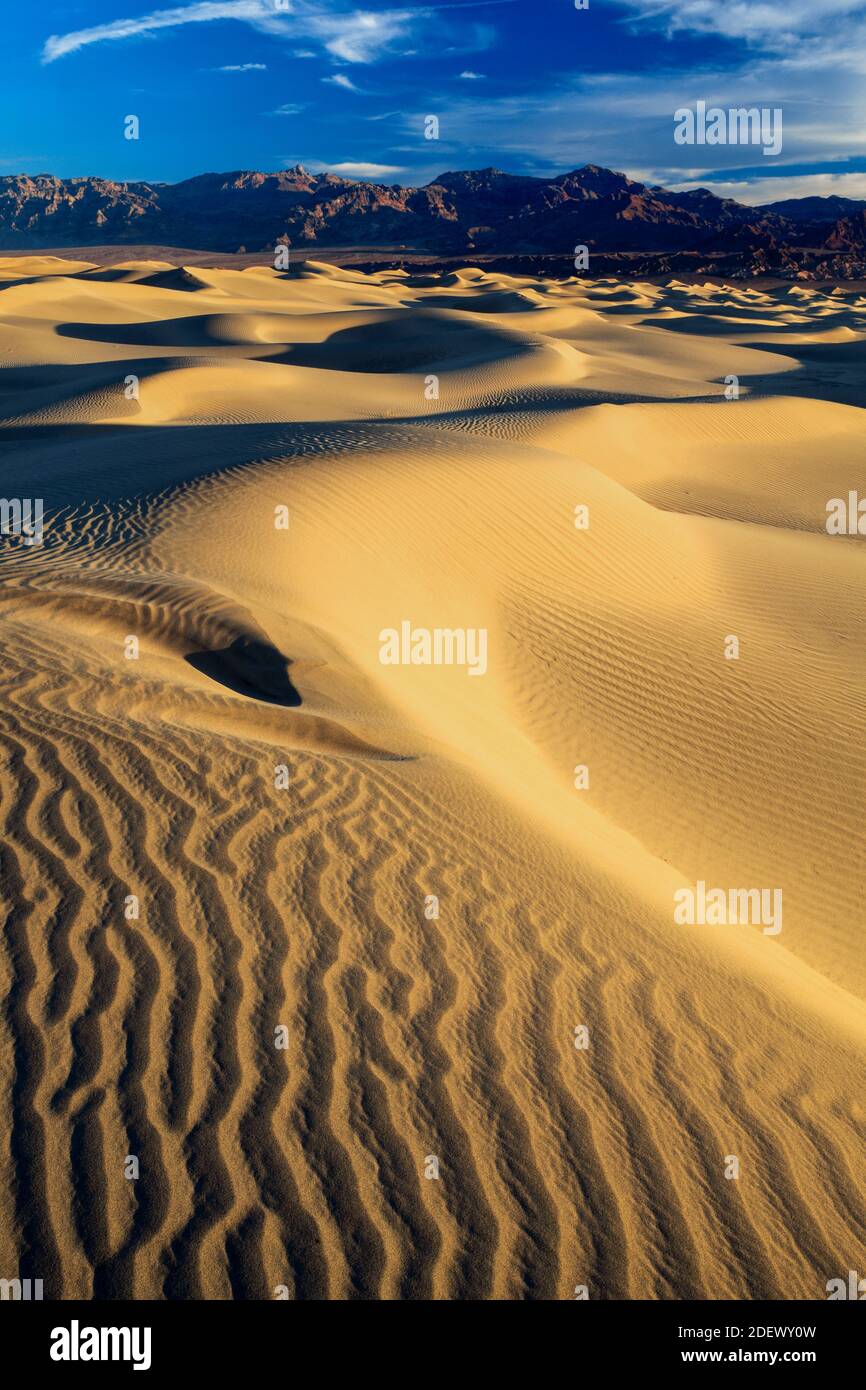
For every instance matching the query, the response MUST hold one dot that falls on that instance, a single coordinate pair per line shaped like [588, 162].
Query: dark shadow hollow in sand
[251, 668]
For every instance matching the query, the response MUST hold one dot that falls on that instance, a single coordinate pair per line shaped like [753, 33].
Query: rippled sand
[309, 461]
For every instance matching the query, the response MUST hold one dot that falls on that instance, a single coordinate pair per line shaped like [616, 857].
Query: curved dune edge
[283, 806]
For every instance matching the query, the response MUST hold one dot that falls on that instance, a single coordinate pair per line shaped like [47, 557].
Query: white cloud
[352, 36]
[349, 35]
[472, 76]
[351, 170]
[774, 190]
[625, 120]
[759, 21]
[359, 36]
[794, 33]
[288, 110]
[201, 13]
[340, 79]
[243, 67]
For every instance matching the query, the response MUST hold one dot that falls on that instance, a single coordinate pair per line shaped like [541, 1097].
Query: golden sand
[254, 476]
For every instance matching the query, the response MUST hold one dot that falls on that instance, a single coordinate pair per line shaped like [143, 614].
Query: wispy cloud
[204, 12]
[776, 22]
[345, 34]
[243, 67]
[626, 119]
[360, 36]
[290, 109]
[340, 79]
[796, 34]
[351, 36]
[471, 76]
[759, 191]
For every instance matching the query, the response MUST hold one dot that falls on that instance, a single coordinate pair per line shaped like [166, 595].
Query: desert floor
[236, 1036]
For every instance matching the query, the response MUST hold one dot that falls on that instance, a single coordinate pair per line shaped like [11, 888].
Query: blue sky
[532, 86]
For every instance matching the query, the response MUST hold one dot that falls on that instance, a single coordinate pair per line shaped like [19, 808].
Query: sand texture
[253, 475]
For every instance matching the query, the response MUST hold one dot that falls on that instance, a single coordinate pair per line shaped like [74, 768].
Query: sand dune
[233, 830]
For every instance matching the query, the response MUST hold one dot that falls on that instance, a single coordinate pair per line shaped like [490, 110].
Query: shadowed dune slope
[339, 976]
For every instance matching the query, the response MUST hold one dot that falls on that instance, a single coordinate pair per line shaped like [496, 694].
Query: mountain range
[481, 213]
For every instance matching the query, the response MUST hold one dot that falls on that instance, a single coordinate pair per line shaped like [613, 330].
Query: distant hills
[482, 213]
